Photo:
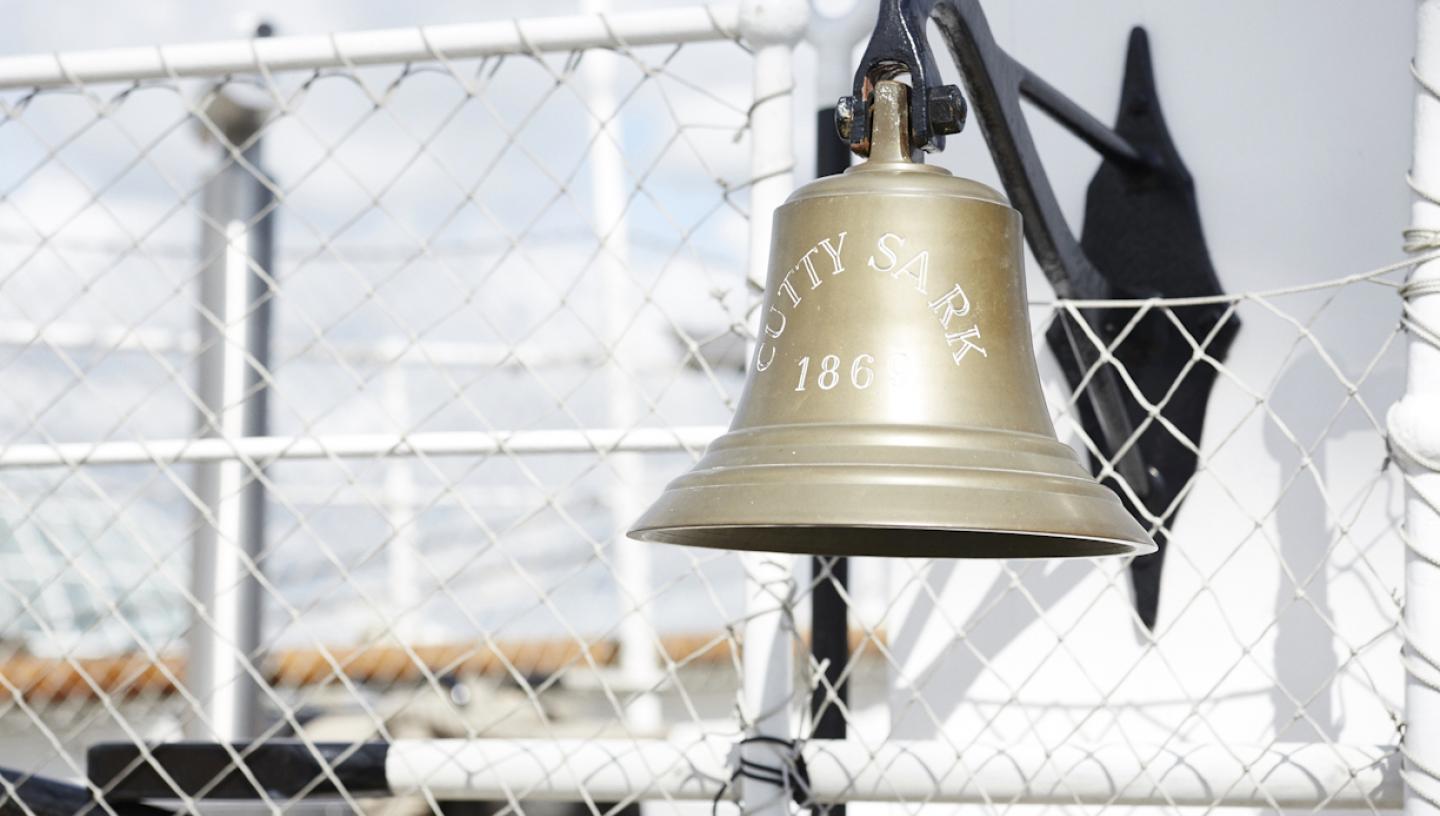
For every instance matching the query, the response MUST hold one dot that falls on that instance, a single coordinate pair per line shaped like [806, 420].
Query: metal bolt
[947, 109]
[845, 108]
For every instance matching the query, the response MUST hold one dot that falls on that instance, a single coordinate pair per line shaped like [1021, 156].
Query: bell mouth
[893, 542]
[906, 491]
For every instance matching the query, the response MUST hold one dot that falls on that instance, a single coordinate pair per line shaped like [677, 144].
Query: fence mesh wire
[448, 255]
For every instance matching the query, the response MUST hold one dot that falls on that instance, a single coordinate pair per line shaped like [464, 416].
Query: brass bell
[893, 405]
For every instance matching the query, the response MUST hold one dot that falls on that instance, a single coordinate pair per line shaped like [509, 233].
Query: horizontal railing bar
[264, 449]
[386, 350]
[1280, 775]
[401, 45]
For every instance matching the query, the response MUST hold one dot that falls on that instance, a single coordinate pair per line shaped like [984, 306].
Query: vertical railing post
[771, 28]
[610, 203]
[400, 504]
[1414, 425]
[236, 247]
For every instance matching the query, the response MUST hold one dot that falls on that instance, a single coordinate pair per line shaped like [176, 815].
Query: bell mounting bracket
[1144, 370]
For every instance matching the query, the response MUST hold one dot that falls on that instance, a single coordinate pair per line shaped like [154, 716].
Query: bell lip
[1123, 546]
[914, 488]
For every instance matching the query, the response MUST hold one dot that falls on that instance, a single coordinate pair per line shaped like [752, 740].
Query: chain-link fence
[336, 368]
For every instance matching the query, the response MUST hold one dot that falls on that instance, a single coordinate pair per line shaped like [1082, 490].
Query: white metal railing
[387, 351]
[1275, 776]
[265, 449]
[1414, 427]
[347, 50]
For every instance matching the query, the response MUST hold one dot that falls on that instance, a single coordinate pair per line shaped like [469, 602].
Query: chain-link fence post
[234, 329]
[610, 203]
[1414, 425]
[400, 503]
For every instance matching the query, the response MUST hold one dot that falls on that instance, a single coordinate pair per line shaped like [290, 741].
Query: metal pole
[771, 28]
[400, 503]
[631, 559]
[236, 244]
[829, 576]
[652, 26]
[1414, 425]
[1334, 776]
[834, 39]
[676, 439]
